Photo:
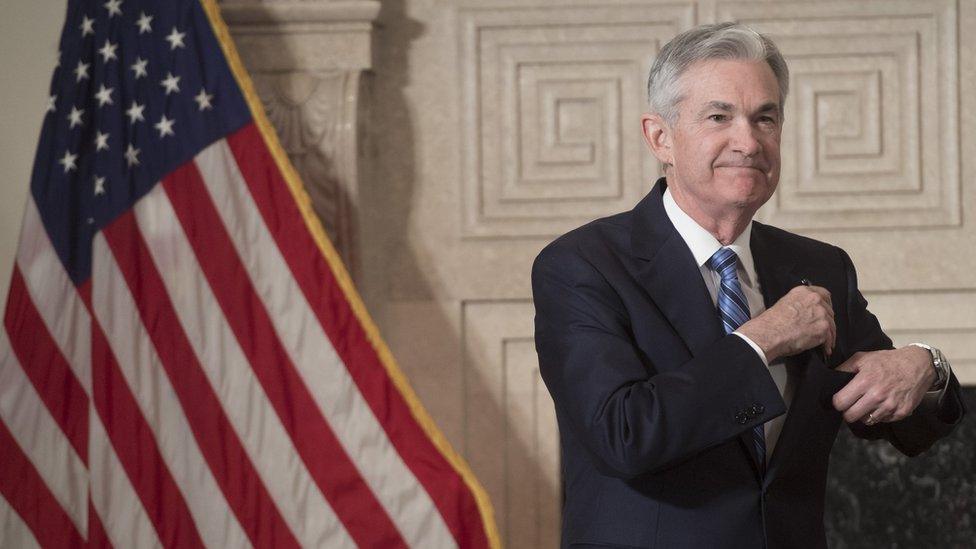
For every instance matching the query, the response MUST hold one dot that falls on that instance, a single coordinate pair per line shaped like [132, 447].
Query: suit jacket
[655, 403]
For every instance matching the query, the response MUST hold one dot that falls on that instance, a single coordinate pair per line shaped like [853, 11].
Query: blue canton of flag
[140, 88]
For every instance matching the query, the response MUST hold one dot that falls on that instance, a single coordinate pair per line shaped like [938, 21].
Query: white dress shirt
[703, 245]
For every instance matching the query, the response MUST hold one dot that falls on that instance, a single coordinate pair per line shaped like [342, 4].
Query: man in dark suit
[700, 362]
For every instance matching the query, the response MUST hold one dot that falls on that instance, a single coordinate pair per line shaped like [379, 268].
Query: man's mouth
[737, 166]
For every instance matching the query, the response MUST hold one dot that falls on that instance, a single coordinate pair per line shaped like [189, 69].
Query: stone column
[308, 60]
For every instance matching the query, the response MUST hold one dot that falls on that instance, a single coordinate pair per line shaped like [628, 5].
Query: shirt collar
[701, 242]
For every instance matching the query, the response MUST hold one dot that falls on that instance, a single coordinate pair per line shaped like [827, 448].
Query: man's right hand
[800, 320]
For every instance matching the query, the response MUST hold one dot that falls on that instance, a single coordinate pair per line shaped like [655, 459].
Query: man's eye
[718, 117]
[767, 120]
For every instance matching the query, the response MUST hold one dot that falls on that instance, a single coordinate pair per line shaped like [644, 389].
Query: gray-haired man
[701, 363]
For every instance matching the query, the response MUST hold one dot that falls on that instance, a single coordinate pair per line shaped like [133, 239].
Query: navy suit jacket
[655, 403]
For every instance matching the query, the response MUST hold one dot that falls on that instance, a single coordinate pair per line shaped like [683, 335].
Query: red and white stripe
[210, 386]
[14, 532]
[43, 406]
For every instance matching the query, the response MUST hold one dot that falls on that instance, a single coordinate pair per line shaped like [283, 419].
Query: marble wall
[877, 497]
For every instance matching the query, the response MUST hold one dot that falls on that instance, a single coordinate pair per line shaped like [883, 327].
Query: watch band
[940, 364]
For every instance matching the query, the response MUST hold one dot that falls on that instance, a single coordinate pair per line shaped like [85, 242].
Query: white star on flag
[104, 95]
[171, 83]
[113, 7]
[81, 71]
[165, 126]
[101, 141]
[68, 161]
[50, 103]
[135, 112]
[143, 22]
[99, 185]
[87, 26]
[175, 39]
[75, 116]
[139, 67]
[132, 156]
[203, 99]
[108, 51]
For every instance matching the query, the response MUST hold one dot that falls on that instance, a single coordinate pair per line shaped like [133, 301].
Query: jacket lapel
[674, 282]
[670, 274]
[778, 274]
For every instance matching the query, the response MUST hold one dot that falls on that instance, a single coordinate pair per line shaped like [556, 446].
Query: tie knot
[723, 262]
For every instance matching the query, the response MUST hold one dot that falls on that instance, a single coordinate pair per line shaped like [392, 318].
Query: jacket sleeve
[931, 420]
[631, 418]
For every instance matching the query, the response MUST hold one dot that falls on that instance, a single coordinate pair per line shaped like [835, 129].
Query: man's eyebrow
[769, 106]
[720, 105]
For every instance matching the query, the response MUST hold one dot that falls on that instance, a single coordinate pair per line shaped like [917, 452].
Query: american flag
[184, 360]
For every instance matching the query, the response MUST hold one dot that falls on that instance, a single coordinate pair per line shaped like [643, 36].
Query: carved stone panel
[511, 439]
[552, 99]
[872, 136]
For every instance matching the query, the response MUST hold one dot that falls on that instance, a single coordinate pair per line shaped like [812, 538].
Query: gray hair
[718, 41]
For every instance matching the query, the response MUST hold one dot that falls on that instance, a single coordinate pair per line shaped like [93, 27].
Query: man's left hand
[888, 385]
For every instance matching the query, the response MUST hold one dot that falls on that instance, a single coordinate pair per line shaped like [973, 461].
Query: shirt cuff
[758, 349]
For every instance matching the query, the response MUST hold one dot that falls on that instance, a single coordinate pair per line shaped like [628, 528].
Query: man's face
[724, 146]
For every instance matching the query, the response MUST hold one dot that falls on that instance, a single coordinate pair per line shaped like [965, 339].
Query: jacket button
[741, 418]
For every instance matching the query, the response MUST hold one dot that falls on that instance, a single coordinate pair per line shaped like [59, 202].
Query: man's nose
[744, 138]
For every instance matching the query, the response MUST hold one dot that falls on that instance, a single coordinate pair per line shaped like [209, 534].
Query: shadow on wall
[395, 269]
[877, 497]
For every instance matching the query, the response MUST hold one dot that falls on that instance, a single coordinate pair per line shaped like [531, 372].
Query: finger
[860, 410]
[869, 403]
[882, 414]
[847, 367]
[827, 302]
[849, 394]
[871, 419]
[852, 364]
[833, 337]
[830, 336]
[824, 293]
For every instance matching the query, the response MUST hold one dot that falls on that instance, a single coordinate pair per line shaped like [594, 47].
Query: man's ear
[657, 136]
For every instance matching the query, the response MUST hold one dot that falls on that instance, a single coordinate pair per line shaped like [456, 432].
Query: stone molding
[307, 60]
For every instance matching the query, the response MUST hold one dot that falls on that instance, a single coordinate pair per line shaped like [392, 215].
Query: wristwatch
[940, 364]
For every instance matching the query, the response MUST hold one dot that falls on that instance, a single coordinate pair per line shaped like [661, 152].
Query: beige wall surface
[29, 33]
[499, 124]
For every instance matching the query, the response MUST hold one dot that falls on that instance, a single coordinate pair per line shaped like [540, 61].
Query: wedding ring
[870, 420]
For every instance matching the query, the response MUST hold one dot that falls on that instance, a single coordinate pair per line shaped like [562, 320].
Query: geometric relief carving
[566, 130]
[552, 99]
[510, 432]
[532, 504]
[871, 138]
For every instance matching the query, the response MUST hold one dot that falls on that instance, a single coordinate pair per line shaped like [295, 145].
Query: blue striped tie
[733, 309]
